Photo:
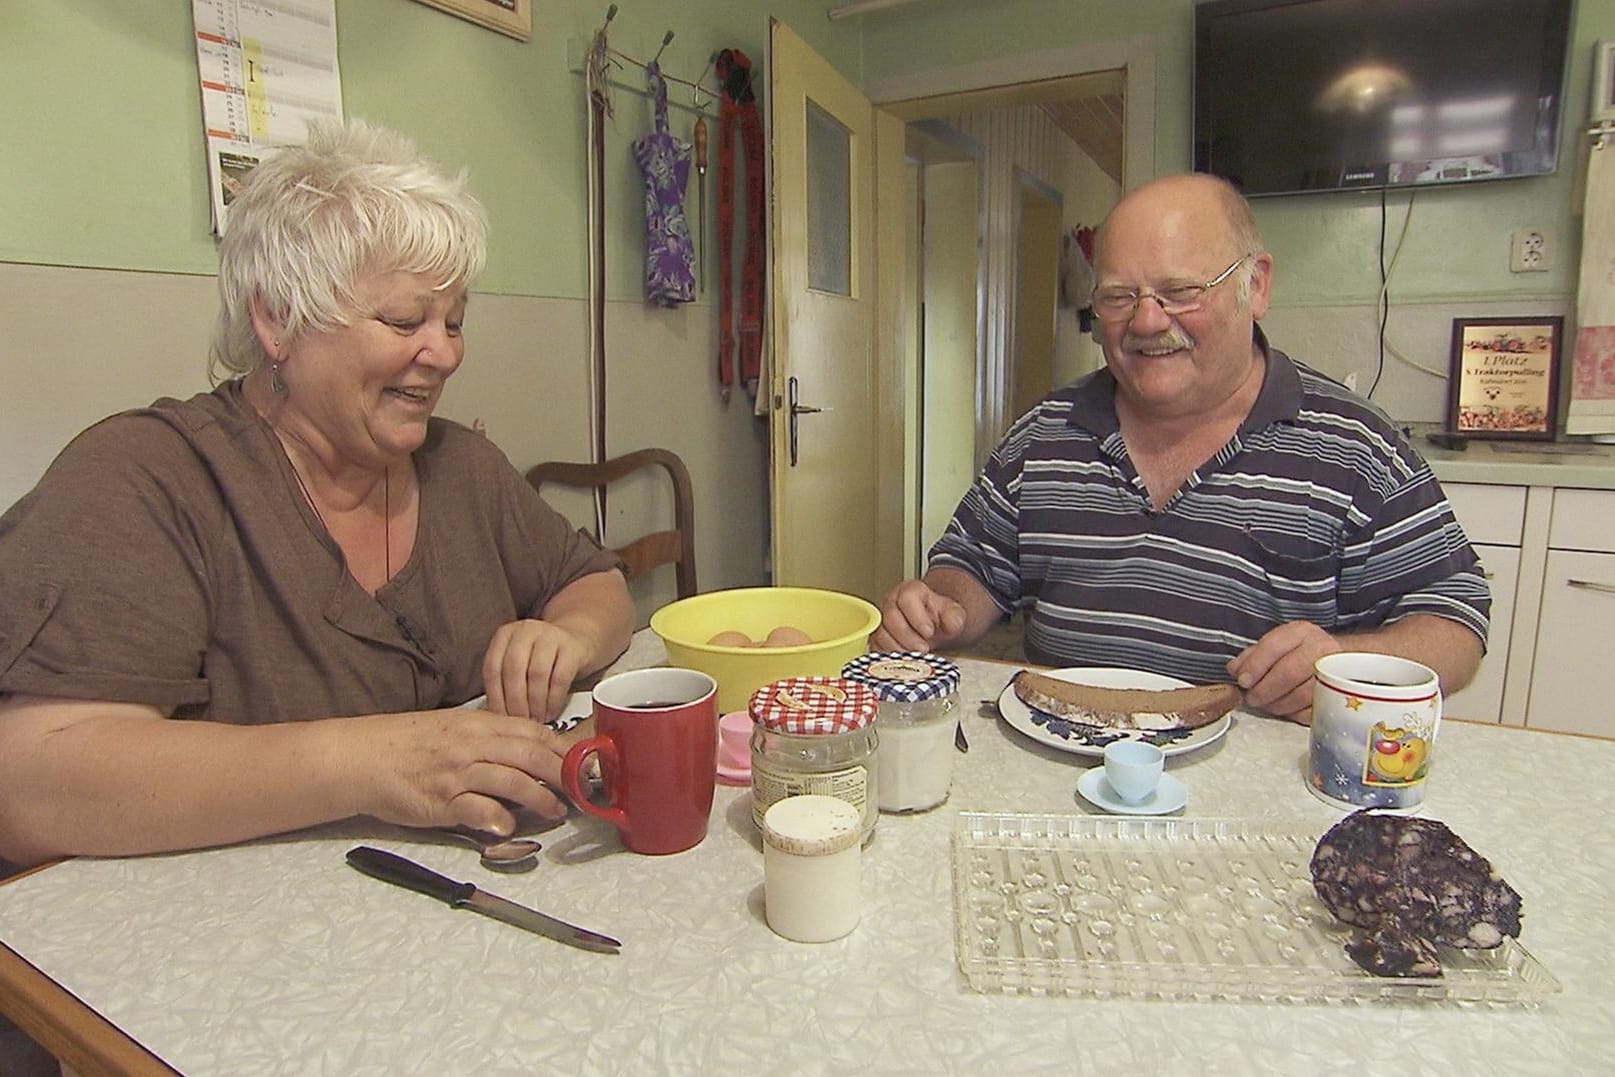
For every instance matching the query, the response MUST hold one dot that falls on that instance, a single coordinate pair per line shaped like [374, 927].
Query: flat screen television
[1328, 95]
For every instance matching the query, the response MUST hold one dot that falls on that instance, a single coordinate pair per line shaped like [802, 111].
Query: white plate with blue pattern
[1090, 740]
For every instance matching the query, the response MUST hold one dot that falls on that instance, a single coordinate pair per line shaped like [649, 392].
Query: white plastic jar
[811, 867]
[918, 693]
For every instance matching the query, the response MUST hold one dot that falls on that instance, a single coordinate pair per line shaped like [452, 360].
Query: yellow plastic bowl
[839, 624]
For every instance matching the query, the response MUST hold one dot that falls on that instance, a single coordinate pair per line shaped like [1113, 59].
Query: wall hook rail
[666, 38]
[578, 61]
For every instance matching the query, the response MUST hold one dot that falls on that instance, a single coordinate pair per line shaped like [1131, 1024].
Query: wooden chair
[675, 546]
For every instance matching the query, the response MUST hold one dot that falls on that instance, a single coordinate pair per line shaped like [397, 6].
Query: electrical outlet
[1531, 251]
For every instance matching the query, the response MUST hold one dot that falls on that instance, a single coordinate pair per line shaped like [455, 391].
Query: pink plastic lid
[734, 748]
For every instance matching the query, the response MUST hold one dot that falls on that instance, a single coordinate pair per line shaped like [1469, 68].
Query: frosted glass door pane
[829, 202]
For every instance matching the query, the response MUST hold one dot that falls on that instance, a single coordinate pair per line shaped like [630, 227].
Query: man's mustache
[1172, 340]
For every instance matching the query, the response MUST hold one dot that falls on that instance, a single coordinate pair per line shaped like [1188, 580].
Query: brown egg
[730, 639]
[787, 636]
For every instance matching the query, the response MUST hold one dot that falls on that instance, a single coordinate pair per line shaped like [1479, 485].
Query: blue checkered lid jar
[904, 676]
[917, 694]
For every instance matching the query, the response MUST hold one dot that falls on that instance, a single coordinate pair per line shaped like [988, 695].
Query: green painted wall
[101, 158]
[1324, 244]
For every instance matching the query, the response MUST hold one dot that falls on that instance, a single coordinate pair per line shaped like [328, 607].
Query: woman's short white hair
[313, 220]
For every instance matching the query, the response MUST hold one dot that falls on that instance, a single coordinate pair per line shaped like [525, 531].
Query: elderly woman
[245, 613]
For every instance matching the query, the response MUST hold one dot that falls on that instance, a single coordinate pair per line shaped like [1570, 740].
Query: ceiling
[1095, 125]
[1088, 108]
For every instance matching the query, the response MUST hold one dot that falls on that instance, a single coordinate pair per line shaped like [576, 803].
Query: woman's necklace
[386, 518]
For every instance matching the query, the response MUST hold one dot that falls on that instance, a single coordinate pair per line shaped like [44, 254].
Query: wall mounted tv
[1328, 95]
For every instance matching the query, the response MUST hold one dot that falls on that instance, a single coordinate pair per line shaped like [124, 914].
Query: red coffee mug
[656, 733]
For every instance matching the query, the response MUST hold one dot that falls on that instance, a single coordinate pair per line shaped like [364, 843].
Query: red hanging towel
[738, 115]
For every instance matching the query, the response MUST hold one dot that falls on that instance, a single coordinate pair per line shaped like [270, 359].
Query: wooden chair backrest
[673, 546]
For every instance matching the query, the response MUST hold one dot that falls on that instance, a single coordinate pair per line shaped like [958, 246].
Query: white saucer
[1169, 796]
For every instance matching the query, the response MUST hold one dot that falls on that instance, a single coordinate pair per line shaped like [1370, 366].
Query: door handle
[1593, 585]
[795, 410]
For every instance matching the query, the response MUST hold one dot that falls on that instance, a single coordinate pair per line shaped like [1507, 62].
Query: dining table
[276, 957]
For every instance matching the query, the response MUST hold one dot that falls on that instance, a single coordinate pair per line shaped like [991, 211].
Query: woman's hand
[530, 664]
[529, 668]
[145, 783]
[447, 768]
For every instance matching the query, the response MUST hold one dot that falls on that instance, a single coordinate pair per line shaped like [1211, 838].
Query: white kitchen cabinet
[1572, 676]
[1494, 515]
[1494, 519]
[1583, 520]
[1482, 700]
[1542, 519]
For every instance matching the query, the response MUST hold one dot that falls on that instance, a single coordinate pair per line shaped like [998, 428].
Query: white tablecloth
[276, 957]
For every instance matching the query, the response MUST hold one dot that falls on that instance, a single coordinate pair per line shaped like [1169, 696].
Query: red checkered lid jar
[815, 736]
[807, 706]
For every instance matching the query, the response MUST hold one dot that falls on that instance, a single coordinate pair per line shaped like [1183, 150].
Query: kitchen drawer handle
[1593, 585]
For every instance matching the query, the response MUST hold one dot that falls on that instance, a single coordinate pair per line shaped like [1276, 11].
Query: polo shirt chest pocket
[1301, 573]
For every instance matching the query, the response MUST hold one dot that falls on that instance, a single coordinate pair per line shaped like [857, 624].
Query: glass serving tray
[1179, 909]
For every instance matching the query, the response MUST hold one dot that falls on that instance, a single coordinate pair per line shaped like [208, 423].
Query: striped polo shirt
[1316, 510]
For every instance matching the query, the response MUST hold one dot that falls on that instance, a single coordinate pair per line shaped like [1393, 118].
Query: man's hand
[915, 618]
[1276, 671]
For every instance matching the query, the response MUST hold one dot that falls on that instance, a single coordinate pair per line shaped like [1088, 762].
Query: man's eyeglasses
[1120, 304]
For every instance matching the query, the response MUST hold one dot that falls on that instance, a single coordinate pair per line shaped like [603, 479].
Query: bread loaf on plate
[1126, 708]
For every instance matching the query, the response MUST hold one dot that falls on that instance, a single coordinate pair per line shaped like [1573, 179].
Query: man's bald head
[1221, 212]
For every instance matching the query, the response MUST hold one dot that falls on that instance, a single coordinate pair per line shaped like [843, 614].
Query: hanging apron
[665, 161]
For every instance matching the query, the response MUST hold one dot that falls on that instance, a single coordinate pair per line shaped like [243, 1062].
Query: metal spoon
[498, 854]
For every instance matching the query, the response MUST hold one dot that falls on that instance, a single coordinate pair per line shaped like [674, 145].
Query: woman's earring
[277, 384]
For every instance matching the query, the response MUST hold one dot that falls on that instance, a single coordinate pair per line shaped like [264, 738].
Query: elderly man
[1204, 507]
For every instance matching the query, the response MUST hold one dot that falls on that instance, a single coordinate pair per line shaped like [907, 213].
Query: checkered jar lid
[904, 676]
[813, 706]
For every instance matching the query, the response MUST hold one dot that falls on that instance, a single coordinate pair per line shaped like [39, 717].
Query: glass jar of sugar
[815, 735]
[917, 693]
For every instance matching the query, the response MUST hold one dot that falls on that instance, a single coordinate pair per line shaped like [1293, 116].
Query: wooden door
[836, 489]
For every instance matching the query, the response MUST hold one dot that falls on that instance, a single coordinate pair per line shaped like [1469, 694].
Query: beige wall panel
[84, 343]
[81, 344]
[1342, 341]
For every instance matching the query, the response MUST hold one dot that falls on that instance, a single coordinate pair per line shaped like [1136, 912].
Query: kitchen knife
[392, 868]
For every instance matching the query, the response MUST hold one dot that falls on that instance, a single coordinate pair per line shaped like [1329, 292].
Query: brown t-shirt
[168, 557]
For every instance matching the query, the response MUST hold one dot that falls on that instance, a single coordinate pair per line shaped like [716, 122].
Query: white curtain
[1592, 390]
